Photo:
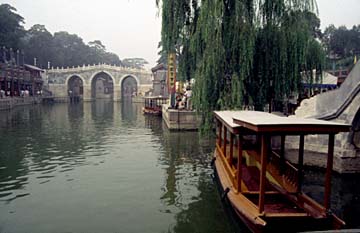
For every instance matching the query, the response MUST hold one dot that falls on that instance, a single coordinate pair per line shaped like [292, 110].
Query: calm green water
[103, 167]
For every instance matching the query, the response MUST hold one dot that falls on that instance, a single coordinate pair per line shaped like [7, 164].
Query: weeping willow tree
[240, 51]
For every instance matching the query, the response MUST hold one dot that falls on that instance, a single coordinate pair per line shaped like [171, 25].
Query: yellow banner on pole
[172, 72]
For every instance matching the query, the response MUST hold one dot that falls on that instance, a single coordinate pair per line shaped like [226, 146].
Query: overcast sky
[131, 28]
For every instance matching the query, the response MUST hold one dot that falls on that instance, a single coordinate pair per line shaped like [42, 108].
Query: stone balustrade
[96, 67]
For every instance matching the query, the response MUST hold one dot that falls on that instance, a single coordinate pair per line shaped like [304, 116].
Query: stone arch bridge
[98, 81]
[340, 105]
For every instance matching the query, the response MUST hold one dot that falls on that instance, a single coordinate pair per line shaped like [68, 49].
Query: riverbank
[10, 103]
[176, 119]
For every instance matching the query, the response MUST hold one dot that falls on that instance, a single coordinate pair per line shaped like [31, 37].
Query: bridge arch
[75, 85]
[102, 85]
[129, 85]
[354, 136]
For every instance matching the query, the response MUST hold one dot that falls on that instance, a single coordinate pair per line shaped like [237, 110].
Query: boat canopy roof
[263, 122]
[226, 117]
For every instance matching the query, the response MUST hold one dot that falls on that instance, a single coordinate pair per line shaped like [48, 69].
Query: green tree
[98, 54]
[138, 63]
[70, 49]
[314, 23]
[237, 48]
[38, 43]
[162, 55]
[11, 28]
[61, 49]
[342, 44]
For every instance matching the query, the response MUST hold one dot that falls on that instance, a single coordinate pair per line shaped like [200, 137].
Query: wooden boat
[263, 188]
[153, 104]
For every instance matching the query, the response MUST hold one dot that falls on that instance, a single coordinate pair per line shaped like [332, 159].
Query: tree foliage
[64, 49]
[36, 43]
[11, 28]
[342, 44]
[138, 63]
[61, 49]
[241, 48]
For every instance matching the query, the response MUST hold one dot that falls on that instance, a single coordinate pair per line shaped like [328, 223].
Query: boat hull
[147, 111]
[260, 222]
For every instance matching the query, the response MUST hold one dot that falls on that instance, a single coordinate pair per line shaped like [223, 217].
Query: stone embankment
[341, 105]
[9, 103]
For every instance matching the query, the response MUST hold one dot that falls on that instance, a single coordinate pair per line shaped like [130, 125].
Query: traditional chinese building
[17, 77]
[160, 87]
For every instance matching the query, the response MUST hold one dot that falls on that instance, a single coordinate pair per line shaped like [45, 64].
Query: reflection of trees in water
[345, 194]
[181, 152]
[14, 147]
[188, 190]
[205, 214]
[38, 139]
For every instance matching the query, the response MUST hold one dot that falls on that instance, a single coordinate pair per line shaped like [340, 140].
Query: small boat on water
[260, 184]
[153, 104]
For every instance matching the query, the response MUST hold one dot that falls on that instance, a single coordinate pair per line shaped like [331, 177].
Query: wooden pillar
[225, 139]
[231, 149]
[329, 168]
[239, 164]
[282, 155]
[264, 153]
[219, 135]
[300, 163]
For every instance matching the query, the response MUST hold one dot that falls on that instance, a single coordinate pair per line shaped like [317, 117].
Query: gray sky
[339, 12]
[131, 28]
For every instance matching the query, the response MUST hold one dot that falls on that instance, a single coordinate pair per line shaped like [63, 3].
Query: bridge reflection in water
[64, 164]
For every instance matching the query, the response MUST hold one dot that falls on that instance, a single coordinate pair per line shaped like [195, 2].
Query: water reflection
[188, 190]
[102, 161]
[345, 194]
[107, 162]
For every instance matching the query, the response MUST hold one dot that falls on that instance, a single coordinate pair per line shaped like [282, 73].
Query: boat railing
[225, 149]
[262, 182]
[154, 102]
[231, 171]
[230, 146]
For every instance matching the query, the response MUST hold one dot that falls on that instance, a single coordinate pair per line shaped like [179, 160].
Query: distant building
[16, 77]
[160, 87]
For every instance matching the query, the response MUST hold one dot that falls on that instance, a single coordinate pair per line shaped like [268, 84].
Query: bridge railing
[95, 66]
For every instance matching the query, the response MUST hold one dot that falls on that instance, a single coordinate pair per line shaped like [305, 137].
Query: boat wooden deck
[265, 189]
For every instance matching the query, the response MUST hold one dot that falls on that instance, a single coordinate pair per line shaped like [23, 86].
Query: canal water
[104, 167]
